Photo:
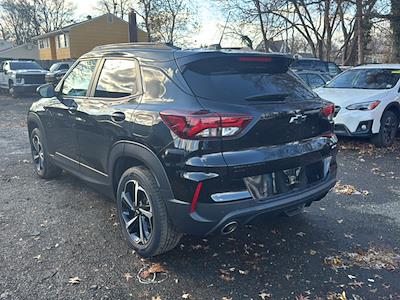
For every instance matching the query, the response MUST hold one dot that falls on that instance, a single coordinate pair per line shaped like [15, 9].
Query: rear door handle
[118, 116]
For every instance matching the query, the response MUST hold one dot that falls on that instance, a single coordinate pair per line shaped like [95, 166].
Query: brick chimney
[133, 34]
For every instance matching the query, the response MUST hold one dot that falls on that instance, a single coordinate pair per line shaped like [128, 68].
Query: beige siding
[142, 36]
[63, 53]
[85, 37]
[45, 54]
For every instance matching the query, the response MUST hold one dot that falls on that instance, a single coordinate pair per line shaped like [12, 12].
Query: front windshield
[374, 79]
[25, 65]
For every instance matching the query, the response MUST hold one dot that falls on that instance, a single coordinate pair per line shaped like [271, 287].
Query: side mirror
[46, 90]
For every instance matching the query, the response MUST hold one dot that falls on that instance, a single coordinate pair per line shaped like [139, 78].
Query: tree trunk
[395, 24]
[264, 34]
[360, 32]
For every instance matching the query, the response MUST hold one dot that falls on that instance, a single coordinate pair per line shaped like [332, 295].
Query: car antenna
[218, 46]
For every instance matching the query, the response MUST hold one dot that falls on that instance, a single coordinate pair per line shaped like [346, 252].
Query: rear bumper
[210, 218]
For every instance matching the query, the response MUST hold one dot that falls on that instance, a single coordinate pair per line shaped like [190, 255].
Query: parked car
[57, 71]
[313, 64]
[367, 102]
[314, 79]
[22, 76]
[186, 141]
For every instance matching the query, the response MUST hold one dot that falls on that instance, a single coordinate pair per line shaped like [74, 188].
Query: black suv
[186, 141]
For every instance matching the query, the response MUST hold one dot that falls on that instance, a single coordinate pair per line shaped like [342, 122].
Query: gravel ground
[344, 247]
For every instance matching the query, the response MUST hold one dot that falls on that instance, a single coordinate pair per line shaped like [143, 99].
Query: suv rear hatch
[282, 108]
[288, 120]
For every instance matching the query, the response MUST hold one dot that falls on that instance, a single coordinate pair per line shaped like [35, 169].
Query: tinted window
[232, 80]
[117, 79]
[77, 82]
[64, 67]
[25, 65]
[366, 79]
[315, 80]
[310, 64]
[333, 69]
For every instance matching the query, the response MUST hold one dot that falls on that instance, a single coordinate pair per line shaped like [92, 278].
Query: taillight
[328, 111]
[204, 124]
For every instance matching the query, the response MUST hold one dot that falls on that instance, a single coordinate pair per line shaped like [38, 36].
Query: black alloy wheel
[143, 214]
[137, 212]
[387, 132]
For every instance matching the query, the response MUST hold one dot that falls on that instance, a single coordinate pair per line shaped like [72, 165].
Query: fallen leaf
[74, 280]
[345, 189]
[264, 295]
[343, 296]
[128, 276]
[154, 268]
[186, 296]
[227, 278]
[288, 276]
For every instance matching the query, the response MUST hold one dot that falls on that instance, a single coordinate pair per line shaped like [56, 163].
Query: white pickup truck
[19, 76]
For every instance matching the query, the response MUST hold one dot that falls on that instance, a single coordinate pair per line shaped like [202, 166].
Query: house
[76, 39]
[25, 51]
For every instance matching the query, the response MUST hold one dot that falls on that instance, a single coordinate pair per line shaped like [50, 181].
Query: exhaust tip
[229, 227]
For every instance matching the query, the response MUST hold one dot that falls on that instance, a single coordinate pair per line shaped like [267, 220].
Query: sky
[211, 22]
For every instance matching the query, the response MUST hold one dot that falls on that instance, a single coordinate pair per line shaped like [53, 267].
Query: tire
[148, 212]
[387, 131]
[44, 167]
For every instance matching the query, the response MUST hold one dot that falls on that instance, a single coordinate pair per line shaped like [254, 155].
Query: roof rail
[139, 45]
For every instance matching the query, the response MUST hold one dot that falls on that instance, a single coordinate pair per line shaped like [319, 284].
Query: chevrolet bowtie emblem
[298, 119]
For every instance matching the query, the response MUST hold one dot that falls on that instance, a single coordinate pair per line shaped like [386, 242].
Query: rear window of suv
[237, 79]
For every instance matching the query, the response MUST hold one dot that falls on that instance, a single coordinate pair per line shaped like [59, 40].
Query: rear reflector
[204, 124]
[328, 111]
[196, 196]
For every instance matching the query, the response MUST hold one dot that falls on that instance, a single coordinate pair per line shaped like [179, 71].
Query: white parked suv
[367, 102]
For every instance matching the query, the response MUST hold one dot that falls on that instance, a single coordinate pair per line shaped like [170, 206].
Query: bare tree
[120, 8]
[23, 19]
[169, 21]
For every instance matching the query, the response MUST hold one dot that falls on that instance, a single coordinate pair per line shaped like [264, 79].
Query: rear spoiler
[185, 58]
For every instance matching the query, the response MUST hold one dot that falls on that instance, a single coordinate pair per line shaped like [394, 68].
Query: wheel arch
[33, 121]
[394, 107]
[127, 154]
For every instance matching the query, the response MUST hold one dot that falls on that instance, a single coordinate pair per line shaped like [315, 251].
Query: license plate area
[285, 181]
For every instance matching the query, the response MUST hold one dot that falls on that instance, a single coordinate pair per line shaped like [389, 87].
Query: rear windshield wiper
[268, 97]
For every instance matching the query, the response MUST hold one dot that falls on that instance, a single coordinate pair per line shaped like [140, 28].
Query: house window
[62, 41]
[44, 43]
